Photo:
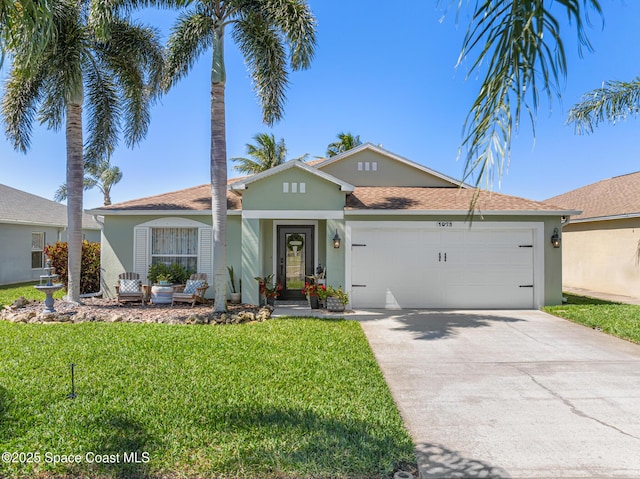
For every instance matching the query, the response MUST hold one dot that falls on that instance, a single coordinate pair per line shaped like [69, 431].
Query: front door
[295, 259]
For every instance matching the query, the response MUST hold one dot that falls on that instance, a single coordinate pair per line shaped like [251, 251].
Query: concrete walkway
[517, 394]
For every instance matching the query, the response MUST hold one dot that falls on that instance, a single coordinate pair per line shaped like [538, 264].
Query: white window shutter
[141, 252]
[205, 253]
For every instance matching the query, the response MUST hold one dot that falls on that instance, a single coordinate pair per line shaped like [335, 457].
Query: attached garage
[446, 264]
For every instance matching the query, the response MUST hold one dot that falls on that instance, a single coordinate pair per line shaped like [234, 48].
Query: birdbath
[48, 287]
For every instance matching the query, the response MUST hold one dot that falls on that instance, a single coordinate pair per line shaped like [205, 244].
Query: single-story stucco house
[601, 246]
[405, 239]
[27, 224]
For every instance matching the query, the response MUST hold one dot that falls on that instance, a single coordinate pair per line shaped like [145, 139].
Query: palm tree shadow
[344, 443]
[123, 442]
[436, 461]
[433, 325]
[5, 400]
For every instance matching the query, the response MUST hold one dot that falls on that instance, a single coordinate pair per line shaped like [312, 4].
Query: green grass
[10, 292]
[621, 320]
[281, 399]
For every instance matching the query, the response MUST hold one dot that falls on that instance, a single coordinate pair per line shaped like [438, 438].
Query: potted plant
[235, 295]
[314, 292]
[336, 299]
[174, 273]
[268, 289]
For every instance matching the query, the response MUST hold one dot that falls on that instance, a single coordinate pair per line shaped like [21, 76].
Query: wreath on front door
[296, 240]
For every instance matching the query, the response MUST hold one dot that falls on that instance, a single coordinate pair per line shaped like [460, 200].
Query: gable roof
[614, 198]
[244, 182]
[393, 156]
[444, 200]
[20, 207]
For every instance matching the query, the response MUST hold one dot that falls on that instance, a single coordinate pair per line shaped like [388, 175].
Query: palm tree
[346, 141]
[270, 34]
[101, 174]
[24, 22]
[615, 101]
[116, 76]
[266, 154]
[519, 47]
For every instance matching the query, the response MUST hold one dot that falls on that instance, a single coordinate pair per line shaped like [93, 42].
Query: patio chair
[129, 288]
[193, 291]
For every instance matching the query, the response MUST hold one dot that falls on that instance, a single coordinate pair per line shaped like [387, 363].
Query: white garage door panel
[409, 267]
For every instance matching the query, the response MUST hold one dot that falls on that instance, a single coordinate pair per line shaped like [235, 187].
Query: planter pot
[271, 301]
[235, 298]
[313, 302]
[334, 304]
[161, 294]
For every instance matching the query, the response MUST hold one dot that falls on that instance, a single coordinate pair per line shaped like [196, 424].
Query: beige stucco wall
[603, 256]
[388, 172]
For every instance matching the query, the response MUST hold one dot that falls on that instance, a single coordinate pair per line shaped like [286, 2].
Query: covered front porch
[291, 249]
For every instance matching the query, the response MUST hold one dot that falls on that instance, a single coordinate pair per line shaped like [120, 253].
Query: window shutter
[141, 252]
[205, 253]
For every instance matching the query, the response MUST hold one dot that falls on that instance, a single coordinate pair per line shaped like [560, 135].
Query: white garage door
[440, 265]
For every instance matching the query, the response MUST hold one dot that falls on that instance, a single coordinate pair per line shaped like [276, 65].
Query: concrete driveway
[511, 393]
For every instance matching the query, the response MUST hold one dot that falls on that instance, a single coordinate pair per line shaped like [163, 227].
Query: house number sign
[444, 224]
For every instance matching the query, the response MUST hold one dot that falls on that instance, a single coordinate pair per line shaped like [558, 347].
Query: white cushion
[129, 286]
[192, 285]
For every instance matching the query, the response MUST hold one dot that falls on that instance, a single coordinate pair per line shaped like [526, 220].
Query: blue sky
[386, 74]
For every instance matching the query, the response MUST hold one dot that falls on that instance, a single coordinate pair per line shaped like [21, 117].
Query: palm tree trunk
[75, 185]
[219, 172]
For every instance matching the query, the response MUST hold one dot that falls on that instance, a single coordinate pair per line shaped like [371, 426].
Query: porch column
[251, 260]
[335, 256]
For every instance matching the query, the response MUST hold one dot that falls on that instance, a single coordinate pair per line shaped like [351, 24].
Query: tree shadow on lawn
[432, 325]
[120, 446]
[4, 408]
[324, 446]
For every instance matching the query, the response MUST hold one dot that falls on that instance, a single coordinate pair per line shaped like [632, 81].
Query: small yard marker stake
[73, 384]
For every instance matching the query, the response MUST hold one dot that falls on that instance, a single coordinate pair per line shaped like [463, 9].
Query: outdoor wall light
[555, 238]
[336, 240]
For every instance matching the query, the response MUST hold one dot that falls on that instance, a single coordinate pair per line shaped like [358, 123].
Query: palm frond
[614, 102]
[521, 44]
[296, 22]
[190, 37]
[266, 61]
[134, 56]
[103, 112]
[19, 104]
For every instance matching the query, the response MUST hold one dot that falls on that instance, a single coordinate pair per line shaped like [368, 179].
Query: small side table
[161, 294]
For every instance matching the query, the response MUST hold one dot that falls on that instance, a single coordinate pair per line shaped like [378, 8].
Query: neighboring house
[601, 246]
[27, 224]
[405, 236]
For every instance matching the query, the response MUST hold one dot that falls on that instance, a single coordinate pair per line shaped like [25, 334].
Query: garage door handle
[358, 285]
[526, 286]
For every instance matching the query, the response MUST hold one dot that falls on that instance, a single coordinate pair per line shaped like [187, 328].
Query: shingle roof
[616, 196]
[17, 206]
[363, 198]
[191, 199]
[434, 199]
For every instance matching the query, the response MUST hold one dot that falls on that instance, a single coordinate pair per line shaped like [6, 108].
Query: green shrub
[58, 253]
[175, 272]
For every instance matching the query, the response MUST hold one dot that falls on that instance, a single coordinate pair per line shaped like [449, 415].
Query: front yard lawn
[286, 398]
[621, 320]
